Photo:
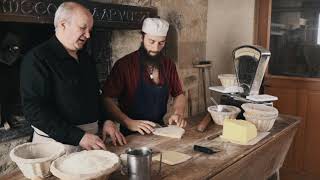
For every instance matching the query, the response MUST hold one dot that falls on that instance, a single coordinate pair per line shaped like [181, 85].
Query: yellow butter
[239, 130]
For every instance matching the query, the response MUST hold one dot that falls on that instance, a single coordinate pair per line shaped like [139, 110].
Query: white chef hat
[155, 26]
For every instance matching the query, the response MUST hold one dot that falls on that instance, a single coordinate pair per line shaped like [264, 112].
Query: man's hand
[178, 119]
[142, 126]
[116, 136]
[91, 142]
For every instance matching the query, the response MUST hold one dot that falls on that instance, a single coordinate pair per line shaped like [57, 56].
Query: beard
[148, 59]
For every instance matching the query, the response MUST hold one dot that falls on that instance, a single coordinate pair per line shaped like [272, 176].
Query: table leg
[199, 89]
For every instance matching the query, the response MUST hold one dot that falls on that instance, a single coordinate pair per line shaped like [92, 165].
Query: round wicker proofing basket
[82, 165]
[262, 116]
[34, 159]
[229, 112]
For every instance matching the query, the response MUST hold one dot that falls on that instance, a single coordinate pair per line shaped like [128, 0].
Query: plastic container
[34, 159]
[94, 164]
[229, 112]
[263, 124]
[228, 80]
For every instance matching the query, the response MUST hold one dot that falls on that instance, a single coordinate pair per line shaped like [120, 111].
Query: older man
[142, 82]
[59, 88]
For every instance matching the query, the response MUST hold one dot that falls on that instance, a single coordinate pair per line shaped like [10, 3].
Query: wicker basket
[34, 159]
[260, 110]
[228, 80]
[263, 124]
[85, 162]
[262, 116]
[229, 112]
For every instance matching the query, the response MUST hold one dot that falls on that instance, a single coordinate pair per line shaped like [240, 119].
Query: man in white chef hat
[142, 82]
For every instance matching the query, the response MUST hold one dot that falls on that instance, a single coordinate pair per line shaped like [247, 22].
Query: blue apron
[149, 101]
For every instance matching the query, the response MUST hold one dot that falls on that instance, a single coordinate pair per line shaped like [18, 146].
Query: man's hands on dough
[109, 128]
[178, 119]
[91, 142]
[141, 126]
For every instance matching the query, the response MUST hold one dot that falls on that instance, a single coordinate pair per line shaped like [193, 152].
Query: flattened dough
[171, 131]
[172, 157]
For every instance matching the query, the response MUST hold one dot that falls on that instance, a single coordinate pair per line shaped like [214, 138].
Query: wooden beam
[105, 15]
[263, 24]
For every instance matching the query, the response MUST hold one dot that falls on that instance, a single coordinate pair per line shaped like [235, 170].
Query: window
[295, 38]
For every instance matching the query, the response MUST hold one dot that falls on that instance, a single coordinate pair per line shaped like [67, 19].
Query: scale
[250, 63]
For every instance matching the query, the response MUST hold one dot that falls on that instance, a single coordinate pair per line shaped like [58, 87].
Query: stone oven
[26, 23]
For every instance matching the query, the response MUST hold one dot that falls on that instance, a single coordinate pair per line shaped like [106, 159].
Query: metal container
[139, 161]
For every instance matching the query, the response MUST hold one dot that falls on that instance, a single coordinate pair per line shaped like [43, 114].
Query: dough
[172, 157]
[171, 131]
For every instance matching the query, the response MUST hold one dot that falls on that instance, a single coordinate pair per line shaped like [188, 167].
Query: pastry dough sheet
[172, 157]
[171, 131]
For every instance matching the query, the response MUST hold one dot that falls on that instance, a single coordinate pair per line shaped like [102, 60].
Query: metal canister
[139, 161]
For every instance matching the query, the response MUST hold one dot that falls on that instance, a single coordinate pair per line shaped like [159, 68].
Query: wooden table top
[200, 166]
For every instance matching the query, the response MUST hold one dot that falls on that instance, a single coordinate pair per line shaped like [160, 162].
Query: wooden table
[258, 161]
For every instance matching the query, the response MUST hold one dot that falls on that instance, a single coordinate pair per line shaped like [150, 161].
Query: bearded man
[142, 82]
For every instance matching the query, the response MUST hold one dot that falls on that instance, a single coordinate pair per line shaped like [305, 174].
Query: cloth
[155, 26]
[149, 102]
[124, 79]
[39, 136]
[59, 92]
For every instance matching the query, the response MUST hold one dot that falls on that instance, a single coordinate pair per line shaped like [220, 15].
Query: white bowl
[34, 159]
[263, 124]
[94, 164]
[228, 112]
[228, 80]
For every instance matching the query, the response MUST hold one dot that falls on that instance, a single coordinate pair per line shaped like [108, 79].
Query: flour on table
[171, 131]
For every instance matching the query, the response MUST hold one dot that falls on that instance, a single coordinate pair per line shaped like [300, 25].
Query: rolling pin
[204, 123]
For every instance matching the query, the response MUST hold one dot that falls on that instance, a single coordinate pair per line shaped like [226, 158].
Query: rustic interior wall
[230, 24]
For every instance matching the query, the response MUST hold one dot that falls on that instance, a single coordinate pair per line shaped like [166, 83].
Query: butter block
[239, 130]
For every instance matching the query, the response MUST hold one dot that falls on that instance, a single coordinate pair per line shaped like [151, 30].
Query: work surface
[258, 161]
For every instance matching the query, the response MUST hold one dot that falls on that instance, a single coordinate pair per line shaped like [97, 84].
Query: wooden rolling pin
[204, 123]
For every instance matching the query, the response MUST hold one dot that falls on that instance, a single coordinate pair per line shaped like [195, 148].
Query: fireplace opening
[16, 39]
